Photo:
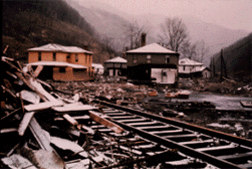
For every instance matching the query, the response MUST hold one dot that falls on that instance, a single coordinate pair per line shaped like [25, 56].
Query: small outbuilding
[98, 68]
[203, 72]
[116, 66]
[191, 68]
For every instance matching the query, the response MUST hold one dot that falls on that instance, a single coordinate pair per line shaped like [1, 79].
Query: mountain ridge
[215, 36]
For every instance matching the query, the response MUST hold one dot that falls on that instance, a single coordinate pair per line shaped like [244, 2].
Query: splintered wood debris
[43, 126]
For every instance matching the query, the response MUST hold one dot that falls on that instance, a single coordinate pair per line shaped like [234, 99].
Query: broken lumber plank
[40, 135]
[8, 130]
[88, 129]
[68, 145]
[21, 77]
[9, 91]
[12, 150]
[96, 117]
[41, 90]
[70, 119]
[17, 161]
[42, 106]
[29, 96]
[83, 117]
[78, 164]
[38, 70]
[10, 74]
[78, 106]
[45, 84]
[25, 122]
[10, 114]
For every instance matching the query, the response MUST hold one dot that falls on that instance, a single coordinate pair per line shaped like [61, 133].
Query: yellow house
[65, 63]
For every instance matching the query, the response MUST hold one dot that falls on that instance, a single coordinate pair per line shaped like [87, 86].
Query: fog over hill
[111, 22]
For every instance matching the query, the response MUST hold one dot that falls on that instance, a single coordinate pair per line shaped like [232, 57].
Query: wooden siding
[69, 74]
[155, 59]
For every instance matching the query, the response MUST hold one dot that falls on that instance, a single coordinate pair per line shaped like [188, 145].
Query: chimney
[143, 39]
[85, 47]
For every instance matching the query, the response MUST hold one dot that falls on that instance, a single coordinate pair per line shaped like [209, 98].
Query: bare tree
[133, 34]
[108, 45]
[201, 50]
[188, 50]
[173, 33]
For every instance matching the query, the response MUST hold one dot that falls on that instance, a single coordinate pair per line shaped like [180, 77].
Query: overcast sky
[234, 14]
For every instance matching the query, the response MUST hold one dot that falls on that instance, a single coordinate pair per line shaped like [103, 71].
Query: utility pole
[223, 67]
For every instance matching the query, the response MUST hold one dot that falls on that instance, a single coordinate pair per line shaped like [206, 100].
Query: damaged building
[153, 64]
[63, 63]
[116, 66]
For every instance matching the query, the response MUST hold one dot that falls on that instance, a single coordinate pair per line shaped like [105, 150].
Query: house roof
[152, 48]
[199, 69]
[57, 63]
[189, 62]
[117, 59]
[52, 47]
[97, 65]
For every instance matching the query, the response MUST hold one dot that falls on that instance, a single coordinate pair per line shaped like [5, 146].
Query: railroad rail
[216, 148]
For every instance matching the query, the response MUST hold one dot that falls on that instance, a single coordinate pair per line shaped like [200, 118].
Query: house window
[62, 70]
[39, 56]
[167, 59]
[148, 57]
[76, 57]
[68, 56]
[184, 68]
[54, 56]
[134, 59]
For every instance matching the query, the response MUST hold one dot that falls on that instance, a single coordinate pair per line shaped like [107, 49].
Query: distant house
[98, 68]
[191, 68]
[116, 66]
[152, 63]
[64, 63]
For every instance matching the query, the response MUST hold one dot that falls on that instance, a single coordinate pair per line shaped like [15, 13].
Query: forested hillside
[27, 24]
[237, 59]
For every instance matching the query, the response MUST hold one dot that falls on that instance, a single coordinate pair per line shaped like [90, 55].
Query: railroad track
[213, 147]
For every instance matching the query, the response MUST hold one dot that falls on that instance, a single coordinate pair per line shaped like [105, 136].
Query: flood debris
[46, 126]
[29, 113]
[50, 124]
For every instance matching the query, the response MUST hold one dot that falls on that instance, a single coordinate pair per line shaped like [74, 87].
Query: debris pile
[44, 126]
[119, 93]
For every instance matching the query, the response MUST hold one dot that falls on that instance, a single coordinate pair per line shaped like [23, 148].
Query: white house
[98, 68]
[191, 68]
